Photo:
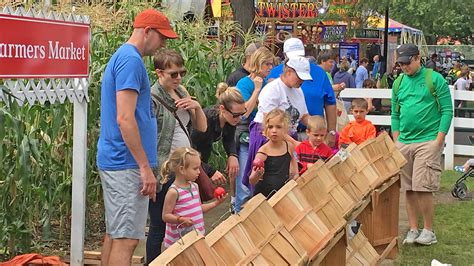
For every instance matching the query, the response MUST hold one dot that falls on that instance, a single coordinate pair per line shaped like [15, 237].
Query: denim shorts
[126, 209]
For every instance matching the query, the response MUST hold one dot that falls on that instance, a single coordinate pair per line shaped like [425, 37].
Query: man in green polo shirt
[421, 116]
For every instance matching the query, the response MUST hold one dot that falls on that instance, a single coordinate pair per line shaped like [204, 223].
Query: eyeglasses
[235, 115]
[174, 74]
[406, 64]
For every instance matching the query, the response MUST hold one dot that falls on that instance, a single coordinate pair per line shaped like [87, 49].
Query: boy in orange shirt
[314, 148]
[359, 130]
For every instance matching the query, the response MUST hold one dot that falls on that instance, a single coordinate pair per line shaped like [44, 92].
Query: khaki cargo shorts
[423, 169]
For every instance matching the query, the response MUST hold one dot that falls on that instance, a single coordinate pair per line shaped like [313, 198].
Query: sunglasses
[235, 115]
[174, 74]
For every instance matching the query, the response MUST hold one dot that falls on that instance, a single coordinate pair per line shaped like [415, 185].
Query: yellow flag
[216, 8]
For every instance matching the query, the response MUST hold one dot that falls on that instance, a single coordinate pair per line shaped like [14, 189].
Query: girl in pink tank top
[183, 210]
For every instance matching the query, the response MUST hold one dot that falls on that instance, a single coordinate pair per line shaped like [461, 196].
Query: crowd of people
[273, 121]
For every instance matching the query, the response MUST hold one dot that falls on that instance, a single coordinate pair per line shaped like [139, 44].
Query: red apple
[258, 163]
[219, 192]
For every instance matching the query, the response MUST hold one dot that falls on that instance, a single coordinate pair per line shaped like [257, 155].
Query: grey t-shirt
[180, 139]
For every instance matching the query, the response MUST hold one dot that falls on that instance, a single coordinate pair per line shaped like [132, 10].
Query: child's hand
[256, 175]
[221, 199]
[259, 172]
[185, 221]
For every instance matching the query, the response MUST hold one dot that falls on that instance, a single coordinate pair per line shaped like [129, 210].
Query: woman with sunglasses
[170, 98]
[222, 119]
[260, 65]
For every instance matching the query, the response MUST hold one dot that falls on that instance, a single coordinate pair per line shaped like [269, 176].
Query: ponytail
[228, 96]
[165, 172]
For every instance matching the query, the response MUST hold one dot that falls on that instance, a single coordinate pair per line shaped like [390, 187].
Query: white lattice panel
[56, 90]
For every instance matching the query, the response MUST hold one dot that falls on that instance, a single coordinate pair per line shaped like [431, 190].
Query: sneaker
[231, 209]
[426, 238]
[352, 229]
[411, 236]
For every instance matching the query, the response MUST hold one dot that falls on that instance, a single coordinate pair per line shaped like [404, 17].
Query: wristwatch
[332, 132]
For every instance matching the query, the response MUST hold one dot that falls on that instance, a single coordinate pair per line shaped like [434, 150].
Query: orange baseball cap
[155, 20]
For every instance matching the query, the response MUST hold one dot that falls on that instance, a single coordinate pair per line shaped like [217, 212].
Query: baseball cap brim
[304, 76]
[168, 33]
[295, 53]
[404, 59]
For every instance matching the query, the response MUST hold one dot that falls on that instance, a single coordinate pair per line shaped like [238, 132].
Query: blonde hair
[275, 113]
[258, 58]
[178, 158]
[316, 123]
[361, 103]
[228, 96]
[344, 66]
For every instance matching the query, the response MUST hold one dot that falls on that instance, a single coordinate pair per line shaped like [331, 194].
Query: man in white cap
[318, 92]
[283, 93]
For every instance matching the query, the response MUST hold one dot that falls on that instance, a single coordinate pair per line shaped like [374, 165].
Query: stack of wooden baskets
[305, 221]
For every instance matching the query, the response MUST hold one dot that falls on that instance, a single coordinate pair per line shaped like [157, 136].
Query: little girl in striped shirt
[183, 210]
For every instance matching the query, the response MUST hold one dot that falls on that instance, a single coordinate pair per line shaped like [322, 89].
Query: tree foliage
[436, 18]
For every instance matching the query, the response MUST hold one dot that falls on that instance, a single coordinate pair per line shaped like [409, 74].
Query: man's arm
[446, 108]
[395, 114]
[126, 105]
[331, 119]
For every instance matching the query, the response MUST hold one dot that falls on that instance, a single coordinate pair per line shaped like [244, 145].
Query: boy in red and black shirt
[314, 148]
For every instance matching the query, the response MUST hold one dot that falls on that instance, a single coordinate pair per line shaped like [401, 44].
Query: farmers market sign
[281, 9]
[43, 48]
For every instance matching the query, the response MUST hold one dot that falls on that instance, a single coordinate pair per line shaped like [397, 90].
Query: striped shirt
[188, 204]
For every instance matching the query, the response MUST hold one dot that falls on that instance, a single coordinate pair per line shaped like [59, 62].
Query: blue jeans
[156, 232]
[242, 193]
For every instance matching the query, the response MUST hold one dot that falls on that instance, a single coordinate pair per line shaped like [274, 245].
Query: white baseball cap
[293, 47]
[301, 67]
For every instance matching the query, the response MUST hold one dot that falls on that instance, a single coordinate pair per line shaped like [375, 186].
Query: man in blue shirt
[362, 73]
[318, 93]
[127, 147]
[376, 68]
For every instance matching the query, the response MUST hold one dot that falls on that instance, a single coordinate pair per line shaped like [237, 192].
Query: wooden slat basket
[360, 252]
[327, 198]
[345, 170]
[374, 154]
[387, 146]
[299, 219]
[267, 232]
[363, 166]
[191, 249]
[232, 244]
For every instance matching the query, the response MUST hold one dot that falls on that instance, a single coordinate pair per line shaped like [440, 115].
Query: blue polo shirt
[317, 92]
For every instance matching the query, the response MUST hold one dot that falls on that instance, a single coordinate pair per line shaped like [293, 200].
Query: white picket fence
[451, 149]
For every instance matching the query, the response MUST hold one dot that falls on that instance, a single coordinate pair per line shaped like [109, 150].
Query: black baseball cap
[405, 52]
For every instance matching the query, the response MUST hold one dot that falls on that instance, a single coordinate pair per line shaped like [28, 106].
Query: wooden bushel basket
[354, 183]
[373, 153]
[232, 244]
[267, 233]
[360, 252]
[327, 198]
[299, 219]
[191, 249]
[364, 166]
[388, 146]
